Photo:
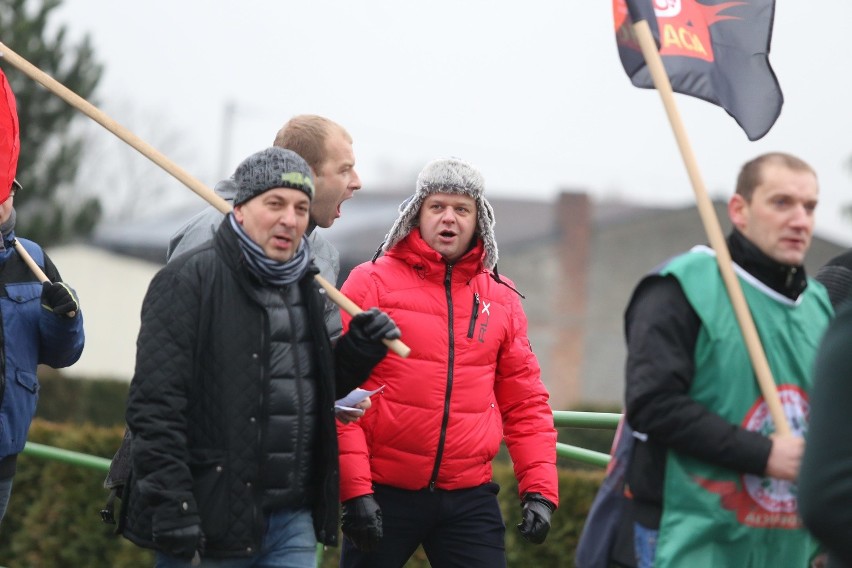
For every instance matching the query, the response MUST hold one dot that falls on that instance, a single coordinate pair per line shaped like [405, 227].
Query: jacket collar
[786, 279]
[7, 241]
[414, 251]
[228, 246]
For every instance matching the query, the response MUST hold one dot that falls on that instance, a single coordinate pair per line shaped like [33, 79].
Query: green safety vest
[717, 517]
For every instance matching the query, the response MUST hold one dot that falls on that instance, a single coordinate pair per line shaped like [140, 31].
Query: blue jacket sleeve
[61, 338]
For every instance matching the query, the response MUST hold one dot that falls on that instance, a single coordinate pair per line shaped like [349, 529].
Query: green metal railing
[561, 419]
[66, 456]
[572, 419]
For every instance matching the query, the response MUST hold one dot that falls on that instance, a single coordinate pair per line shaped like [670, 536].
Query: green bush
[95, 401]
[53, 519]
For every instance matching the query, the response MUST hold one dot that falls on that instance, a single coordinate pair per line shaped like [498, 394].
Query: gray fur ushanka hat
[448, 175]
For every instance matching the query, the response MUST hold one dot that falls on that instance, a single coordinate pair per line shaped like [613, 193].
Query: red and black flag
[10, 139]
[713, 50]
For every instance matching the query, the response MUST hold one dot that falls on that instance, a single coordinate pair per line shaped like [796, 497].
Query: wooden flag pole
[713, 230]
[28, 260]
[104, 120]
[161, 160]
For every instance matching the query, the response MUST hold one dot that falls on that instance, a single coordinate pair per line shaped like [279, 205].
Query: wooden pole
[161, 160]
[713, 230]
[104, 120]
[35, 268]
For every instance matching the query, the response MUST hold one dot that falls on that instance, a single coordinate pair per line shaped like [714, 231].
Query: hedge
[53, 519]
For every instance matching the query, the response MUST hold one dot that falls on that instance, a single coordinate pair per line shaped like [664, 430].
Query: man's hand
[58, 298]
[181, 542]
[373, 326]
[362, 522]
[536, 512]
[348, 416]
[785, 457]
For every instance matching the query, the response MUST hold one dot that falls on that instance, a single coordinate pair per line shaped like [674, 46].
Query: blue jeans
[289, 542]
[645, 544]
[5, 492]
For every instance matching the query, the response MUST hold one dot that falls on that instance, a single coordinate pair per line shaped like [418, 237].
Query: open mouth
[340, 204]
[282, 241]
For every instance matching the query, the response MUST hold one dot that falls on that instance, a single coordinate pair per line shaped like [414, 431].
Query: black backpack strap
[108, 512]
[117, 477]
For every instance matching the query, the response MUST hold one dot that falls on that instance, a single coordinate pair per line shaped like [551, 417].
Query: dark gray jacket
[207, 445]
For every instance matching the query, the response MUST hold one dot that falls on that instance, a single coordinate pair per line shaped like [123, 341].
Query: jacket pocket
[210, 487]
[474, 314]
[21, 309]
[23, 292]
[19, 403]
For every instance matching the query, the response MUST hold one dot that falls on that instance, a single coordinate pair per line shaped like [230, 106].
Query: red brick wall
[574, 218]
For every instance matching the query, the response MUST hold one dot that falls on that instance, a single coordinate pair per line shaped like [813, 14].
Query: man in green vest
[711, 482]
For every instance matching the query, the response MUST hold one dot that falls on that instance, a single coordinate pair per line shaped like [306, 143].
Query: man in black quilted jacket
[328, 148]
[234, 452]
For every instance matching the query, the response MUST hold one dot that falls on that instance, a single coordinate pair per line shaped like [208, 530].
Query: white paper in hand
[348, 402]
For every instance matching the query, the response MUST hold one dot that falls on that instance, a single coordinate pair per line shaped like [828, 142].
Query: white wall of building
[111, 288]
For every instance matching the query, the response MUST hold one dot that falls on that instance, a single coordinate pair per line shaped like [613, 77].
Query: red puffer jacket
[467, 384]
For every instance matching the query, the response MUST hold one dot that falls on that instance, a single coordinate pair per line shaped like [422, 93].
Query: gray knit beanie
[448, 175]
[271, 168]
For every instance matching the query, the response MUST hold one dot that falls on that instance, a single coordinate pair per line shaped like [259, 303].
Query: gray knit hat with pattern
[271, 168]
[448, 175]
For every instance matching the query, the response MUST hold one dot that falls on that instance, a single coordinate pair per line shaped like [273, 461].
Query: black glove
[373, 325]
[58, 298]
[536, 511]
[181, 542]
[362, 522]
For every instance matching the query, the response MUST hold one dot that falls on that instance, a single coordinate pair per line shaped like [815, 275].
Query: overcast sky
[533, 93]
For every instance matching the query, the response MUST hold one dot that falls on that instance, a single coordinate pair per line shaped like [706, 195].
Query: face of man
[779, 219]
[276, 220]
[447, 223]
[336, 180]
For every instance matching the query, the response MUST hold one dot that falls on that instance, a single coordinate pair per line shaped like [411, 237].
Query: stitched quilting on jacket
[207, 379]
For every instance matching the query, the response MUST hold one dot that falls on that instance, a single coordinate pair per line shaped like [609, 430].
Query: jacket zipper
[450, 358]
[263, 421]
[473, 315]
[299, 377]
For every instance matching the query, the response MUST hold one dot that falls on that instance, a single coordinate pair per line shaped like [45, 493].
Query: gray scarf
[271, 272]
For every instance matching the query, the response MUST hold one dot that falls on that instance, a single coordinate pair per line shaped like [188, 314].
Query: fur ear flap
[448, 175]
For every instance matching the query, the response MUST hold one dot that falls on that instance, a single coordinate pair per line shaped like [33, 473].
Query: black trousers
[458, 529]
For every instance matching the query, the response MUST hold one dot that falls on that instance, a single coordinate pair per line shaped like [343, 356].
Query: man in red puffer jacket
[416, 469]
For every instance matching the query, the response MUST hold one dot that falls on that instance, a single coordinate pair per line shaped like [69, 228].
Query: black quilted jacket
[198, 405]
